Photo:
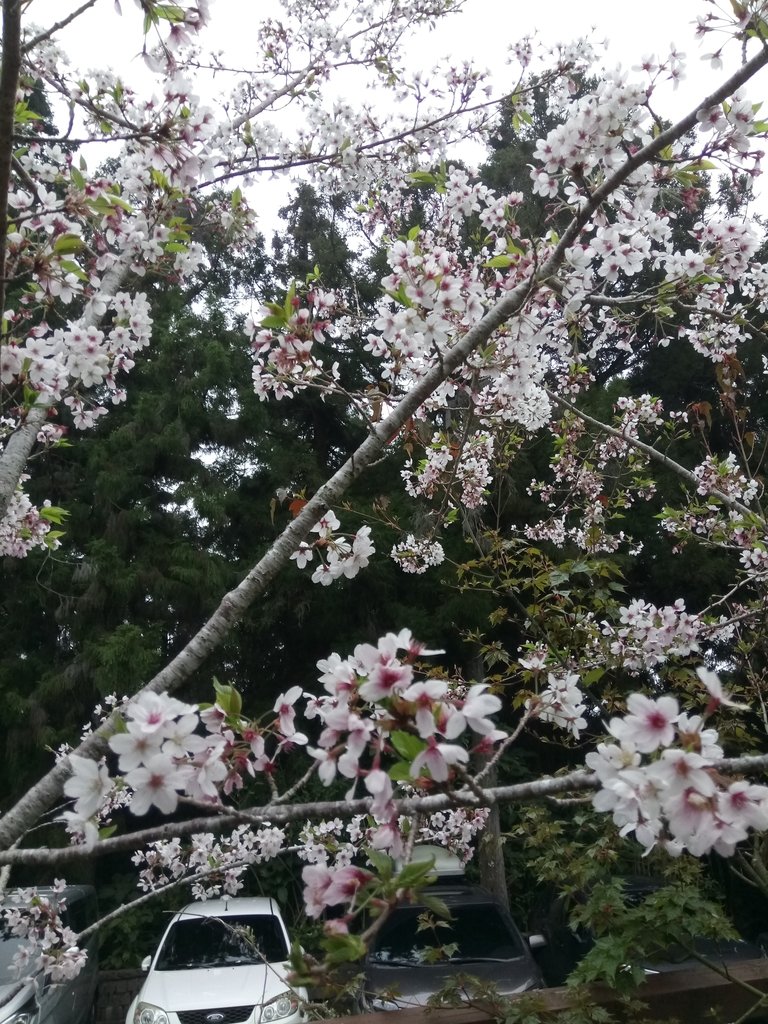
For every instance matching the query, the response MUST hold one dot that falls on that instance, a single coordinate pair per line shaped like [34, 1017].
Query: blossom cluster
[581, 495]
[468, 465]
[373, 703]
[725, 476]
[338, 555]
[561, 703]
[417, 554]
[649, 635]
[50, 946]
[379, 725]
[24, 527]
[214, 866]
[660, 779]
[76, 237]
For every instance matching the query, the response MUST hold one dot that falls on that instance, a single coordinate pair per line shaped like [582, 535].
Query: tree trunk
[490, 848]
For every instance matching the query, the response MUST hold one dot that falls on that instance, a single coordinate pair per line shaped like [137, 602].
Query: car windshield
[230, 941]
[475, 933]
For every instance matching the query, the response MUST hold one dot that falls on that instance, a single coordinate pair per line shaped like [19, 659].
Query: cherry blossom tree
[483, 338]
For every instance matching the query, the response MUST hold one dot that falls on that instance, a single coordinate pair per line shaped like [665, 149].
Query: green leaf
[417, 873]
[421, 179]
[383, 865]
[593, 676]
[22, 113]
[273, 322]
[435, 904]
[502, 261]
[159, 179]
[236, 198]
[288, 304]
[342, 949]
[122, 203]
[228, 698]
[70, 267]
[77, 178]
[400, 297]
[53, 514]
[400, 771]
[700, 165]
[68, 243]
[407, 745]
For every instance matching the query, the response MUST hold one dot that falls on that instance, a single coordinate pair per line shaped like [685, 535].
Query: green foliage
[629, 934]
[128, 938]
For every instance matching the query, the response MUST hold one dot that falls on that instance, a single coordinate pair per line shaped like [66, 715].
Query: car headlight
[24, 1015]
[283, 1005]
[146, 1013]
[378, 1005]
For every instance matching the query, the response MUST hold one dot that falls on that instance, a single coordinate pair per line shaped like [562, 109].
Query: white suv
[221, 962]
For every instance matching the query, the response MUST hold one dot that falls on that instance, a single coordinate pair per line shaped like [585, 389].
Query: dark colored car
[560, 947]
[36, 999]
[416, 953]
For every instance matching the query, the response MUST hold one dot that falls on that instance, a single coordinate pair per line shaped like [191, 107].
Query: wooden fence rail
[696, 995]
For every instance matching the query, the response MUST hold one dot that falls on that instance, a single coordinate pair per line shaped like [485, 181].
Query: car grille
[225, 1015]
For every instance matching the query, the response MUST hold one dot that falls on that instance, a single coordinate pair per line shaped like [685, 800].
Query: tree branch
[36, 40]
[652, 453]
[577, 781]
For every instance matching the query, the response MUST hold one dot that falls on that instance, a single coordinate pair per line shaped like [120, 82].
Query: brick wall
[114, 994]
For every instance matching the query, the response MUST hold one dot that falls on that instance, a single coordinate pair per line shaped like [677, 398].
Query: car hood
[718, 951]
[252, 984]
[410, 985]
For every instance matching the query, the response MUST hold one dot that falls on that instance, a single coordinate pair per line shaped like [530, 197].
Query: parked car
[407, 962]
[560, 947]
[37, 1000]
[221, 962]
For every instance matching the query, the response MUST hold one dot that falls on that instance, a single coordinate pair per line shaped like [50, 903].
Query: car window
[9, 946]
[222, 942]
[479, 933]
[80, 911]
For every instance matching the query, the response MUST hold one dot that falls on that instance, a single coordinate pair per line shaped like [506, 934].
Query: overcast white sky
[481, 34]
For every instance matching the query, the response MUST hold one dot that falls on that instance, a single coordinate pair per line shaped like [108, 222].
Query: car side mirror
[537, 941]
[146, 962]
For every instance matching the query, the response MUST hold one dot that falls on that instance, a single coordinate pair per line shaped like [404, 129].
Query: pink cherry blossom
[345, 884]
[135, 746]
[474, 712]
[286, 712]
[437, 759]
[156, 783]
[89, 785]
[427, 696]
[649, 725]
[718, 696]
[317, 880]
[385, 674]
